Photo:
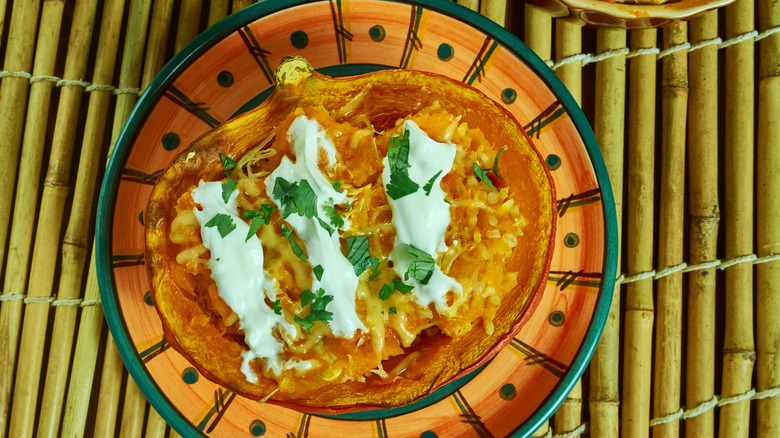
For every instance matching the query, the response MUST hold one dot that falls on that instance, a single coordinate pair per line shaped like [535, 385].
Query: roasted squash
[498, 241]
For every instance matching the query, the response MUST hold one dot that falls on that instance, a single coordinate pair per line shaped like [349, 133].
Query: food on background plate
[353, 242]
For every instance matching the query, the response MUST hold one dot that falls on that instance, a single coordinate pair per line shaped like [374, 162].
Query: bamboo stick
[18, 58]
[739, 352]
[639, 313]
[568, 42]
[218, 9]
[76, 242]
[173, 433]
[241, 4]
[132, 425]
[608, 127]
[155, 425]
[36, 316]
[156, 43]
[543, 431]
[495, 10]
[471, 4]
[538, 31]
[768, 223]
[3, 6]
[705, 217]
[110, 387]
[91, 322]
[189, 21]
[668, 317]
[26, 196]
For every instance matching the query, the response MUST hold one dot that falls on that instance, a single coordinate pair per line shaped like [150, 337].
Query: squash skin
[390, 94]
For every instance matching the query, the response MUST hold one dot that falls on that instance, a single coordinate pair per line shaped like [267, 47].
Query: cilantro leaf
[392, 311]
[295, 248]
[336, 185]
[227, 162]
[327, 227]
[304, 323]
[482, 175]
[358, 253]
[386, 291]
[429, 185]
[223, 222]
[259, 218]
[318, 271]
[317, 312]
[296, 197]
[307, 296]
[374, 267]
[421, 268]
[398, 158]
[278, 307]
[227, 189]
[321, 301]
[402, 287]
[333, 215]
[495, 162]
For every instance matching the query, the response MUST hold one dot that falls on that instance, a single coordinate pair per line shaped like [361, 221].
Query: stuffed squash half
[353, 242]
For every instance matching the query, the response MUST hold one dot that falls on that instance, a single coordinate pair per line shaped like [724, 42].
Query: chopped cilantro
[295, 248]
[297, 197]
[482, 174]
[386, 291]
[374, 268]
[398, 157]
[429, 185]
[307, 296]
[333, 215]
[217, 259]
[348, 206]
[258, 218]
[223, 222]
[358, 254]
[326, 226]
[397, 285]
[336, 185]
[317, 312]
[318, 271]
[495, 162]
[278, 307]
[422, 266]
[227, 189]
[304, 323]
[228, 163]
[392, 311]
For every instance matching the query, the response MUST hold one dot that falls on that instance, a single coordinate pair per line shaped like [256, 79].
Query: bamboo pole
[768, 223]
[3, 6]
[26, 195]
[495, 10]
[568, 42]
[132, 425]
[18, 58]
[110, 387]
[77, 238]
[471, 4]
[538, 31]
[705, 217]
[739, 352]
[36, 316]
[91, 322]
[608, 127]
[668, 316]
[173, 433]
[218, 9]
[189, 21]
[155, 425]
[156, 43]
[639, 313]
[241, 4]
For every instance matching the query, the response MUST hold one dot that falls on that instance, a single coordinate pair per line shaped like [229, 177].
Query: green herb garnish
[336, 185]
[482, 174]
[259, 218]
[295, 248]
[318, 271]
[396, 285]
[228, 163]
[358, 254]
[223, 222]
[227, 189]
[297, 197]
[495, 163]
[422, 266]
[317, 312]
[278, 307]
[398, 157]
[333, 215]
[429, 185]
[392, 311]
[326, 226]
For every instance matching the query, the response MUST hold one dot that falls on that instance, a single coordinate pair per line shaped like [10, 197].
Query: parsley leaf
[429, 185]
[327, 227]
[295, 248]
[227, 189]
[333, 215]
[358, 253]
[318, 271]
[495, 162]
[258, 218]
[336, 185]
[398, 158]
[278, 307]
[392, 311]
[421, 268]
[482, 175]
[223, 222]
[297, 197]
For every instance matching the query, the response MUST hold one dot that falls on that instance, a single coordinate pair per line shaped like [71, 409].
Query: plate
[229, 69]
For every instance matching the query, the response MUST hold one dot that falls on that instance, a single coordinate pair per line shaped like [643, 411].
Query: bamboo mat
[688, 119]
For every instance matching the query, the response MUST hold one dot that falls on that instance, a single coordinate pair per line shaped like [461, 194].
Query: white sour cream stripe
[237, 269]
[338, 279]
[422, 220]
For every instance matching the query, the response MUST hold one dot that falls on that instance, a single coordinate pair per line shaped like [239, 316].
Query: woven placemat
[688, 119]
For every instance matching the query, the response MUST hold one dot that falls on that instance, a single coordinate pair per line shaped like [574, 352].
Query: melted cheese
[237, 269]
[338, 279]
[421, 220]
